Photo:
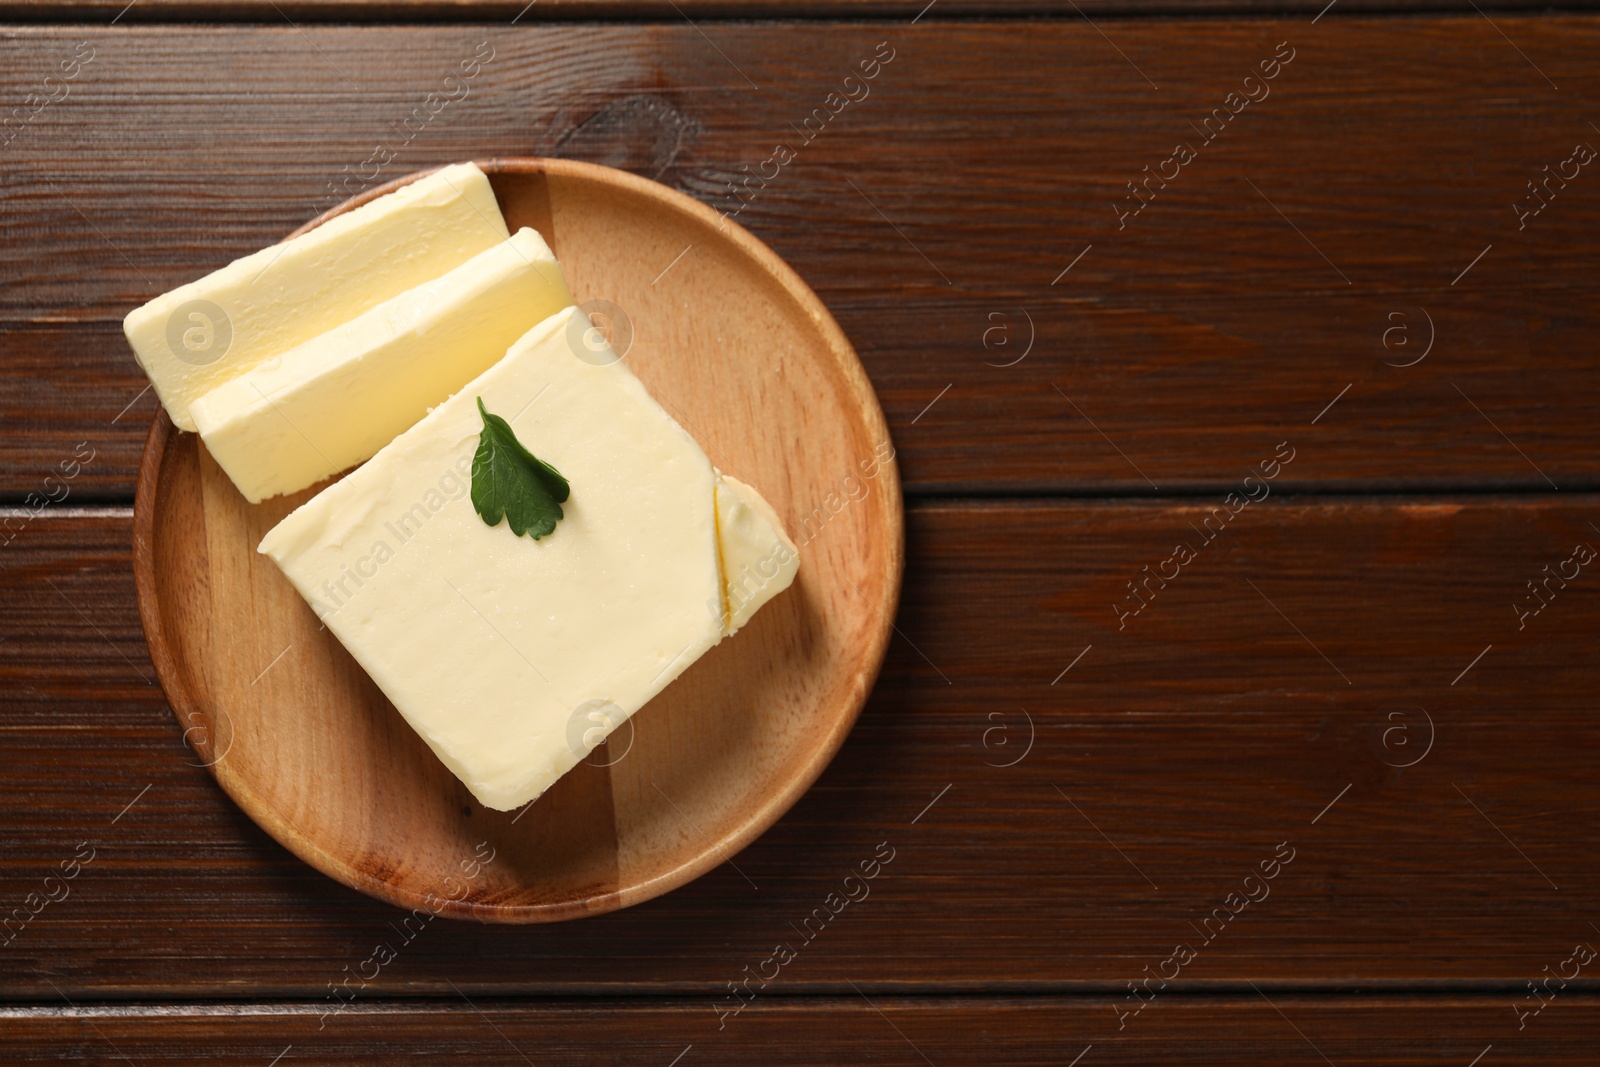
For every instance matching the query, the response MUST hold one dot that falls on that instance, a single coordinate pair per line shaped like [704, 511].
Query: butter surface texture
[759, 561]
[209, 331]
[335, 400]
[512, 657]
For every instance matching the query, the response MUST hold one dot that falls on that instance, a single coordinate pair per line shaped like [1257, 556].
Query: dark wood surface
[504, 11]
[906, 1032]
[1196, 741]
[1339, 672]
[1182, 345]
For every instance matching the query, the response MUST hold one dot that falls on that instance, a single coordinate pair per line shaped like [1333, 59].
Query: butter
[335, 400]
[759, 561]
[513, 658]
[212, 330]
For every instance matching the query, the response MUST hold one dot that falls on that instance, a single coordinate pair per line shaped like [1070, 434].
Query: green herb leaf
[510, 481]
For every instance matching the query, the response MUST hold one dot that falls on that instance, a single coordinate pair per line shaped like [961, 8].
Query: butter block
[335, 400]
[209, 331]
[759, 561]
[513, 658]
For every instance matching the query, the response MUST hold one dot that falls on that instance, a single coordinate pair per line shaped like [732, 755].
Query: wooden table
[1335, 347]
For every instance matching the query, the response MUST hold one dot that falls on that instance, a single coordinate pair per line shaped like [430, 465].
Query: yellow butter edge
[544, 262]
[427, 189]
[751, 497]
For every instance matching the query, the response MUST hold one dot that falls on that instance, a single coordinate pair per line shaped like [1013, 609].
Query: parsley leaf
[509, 480]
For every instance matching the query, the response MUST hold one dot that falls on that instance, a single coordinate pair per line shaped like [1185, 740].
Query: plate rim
[759, 817]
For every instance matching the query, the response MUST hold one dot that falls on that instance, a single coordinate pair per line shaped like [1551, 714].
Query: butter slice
[513, 658]
[211, 330]
[759, 561]
[335, 400]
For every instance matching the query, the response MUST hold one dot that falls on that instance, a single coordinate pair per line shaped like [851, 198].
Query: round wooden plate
[742, 353]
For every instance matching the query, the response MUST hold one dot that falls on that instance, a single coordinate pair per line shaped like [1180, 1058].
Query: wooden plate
[744, 355]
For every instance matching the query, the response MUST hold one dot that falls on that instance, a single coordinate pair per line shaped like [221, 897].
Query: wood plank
[1260, 705]
[914, 1032]
[491, 11]
[1180, 345]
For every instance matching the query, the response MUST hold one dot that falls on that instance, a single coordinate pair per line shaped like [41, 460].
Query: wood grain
[100, 12]
[316, 754]
[1168, 758]
[913, 1032]
[1169, 761]
[1179, 346]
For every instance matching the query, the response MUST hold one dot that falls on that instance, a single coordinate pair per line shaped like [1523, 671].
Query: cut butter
[759, 561]
[208, 331]
[335, 400]
[513, 658]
